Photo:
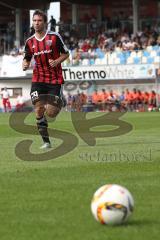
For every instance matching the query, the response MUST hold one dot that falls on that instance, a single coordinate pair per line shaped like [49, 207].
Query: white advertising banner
[113, 72]
[12, 66]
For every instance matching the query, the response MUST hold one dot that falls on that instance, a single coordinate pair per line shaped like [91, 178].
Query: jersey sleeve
[27, 52]
[60, 45]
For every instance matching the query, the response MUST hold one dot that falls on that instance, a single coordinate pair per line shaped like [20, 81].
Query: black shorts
[49, 93]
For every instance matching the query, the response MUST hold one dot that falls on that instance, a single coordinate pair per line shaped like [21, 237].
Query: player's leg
[42, 123]
[9, 105]
[54, 101]
[52, 110]
[5, 104]
[39, 105]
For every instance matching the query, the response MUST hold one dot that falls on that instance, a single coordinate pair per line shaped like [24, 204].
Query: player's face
[38, 23]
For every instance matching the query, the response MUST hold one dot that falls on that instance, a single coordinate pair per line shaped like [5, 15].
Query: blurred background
[118, 40]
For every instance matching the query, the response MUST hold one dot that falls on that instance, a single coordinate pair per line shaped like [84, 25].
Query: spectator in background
[83, 100]
[104, 97]
[69, 102]
[5, 100]
[140, 101]
[96, 100]
[146, 99]
[112, 98]
[2, 46]
[122, 103]
[152, 99]
[32, 31]
[20, 102]
[134, 99]
[10, 33]
[52, 23]
[14, 51]
[128, 99]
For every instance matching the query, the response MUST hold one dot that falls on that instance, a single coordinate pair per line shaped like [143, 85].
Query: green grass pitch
[51, 199]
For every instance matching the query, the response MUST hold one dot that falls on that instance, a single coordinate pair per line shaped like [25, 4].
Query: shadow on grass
[136, 223]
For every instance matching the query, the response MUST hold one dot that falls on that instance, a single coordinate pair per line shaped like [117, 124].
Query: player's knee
[39, 111]
[52, 113]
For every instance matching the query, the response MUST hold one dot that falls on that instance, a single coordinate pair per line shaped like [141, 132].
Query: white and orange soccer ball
[112, 204]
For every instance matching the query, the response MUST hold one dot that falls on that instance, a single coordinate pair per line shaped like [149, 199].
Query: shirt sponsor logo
[48, 42]
[42, 52]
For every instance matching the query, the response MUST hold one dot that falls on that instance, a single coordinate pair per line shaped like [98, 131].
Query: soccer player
[49, 52]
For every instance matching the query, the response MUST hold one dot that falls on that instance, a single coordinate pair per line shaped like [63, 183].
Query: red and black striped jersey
[49, 47]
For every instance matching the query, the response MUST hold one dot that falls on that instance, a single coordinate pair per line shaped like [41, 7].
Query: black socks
[42, 126]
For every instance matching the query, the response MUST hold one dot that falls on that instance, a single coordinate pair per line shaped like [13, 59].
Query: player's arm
[54, 63]
[27, 58]
[25, 64]
[64, 52]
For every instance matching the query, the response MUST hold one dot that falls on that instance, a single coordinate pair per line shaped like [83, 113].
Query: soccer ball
[112, 204]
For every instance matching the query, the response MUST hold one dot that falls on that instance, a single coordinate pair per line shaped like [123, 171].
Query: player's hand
[25, 65]
[53, 63]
